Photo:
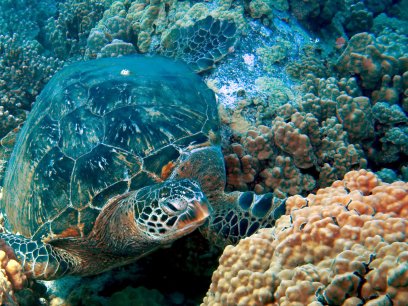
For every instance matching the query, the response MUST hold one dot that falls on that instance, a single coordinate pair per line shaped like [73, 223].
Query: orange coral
[11, 278]
[346, 244]
[289, 138]
[241, 168]
[284, 178]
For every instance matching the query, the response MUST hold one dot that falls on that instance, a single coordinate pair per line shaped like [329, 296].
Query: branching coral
[346, 244]
[23, 72]
[25, 17]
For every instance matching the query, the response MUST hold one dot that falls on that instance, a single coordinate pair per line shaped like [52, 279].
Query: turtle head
[138, 222]
[170, 210]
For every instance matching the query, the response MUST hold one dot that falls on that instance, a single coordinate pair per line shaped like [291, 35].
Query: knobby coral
[346, 244]
[11, 278]
[67, 32]
[23, 72]
[371, 57]
[192, 32]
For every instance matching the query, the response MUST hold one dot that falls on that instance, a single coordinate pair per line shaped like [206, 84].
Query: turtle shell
[99, 129]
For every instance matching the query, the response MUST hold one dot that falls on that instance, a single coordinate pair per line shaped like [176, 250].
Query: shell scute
[49, 188]
[81, 131]
[99, 169]
[95, 133]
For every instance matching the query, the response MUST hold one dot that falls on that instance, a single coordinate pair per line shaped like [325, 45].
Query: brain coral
[346, 244]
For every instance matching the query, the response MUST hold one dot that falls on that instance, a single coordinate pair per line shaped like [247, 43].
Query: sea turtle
[118, 157]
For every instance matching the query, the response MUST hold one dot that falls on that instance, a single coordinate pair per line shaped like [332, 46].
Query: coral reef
[23, 73]
[343, 18]
[256, 164]
[370, 57]
[345, 107]
[193, 33]
[11, 278]
[322, 132]
[310, 62]
[346, 244]
[333, 126]
[137, 296]
[66, 33]
[25, 17]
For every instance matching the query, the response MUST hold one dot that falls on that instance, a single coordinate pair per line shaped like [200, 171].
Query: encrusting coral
[344, 245]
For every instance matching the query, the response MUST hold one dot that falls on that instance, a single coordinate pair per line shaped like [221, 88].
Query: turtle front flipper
[239, 214]
[39, 260]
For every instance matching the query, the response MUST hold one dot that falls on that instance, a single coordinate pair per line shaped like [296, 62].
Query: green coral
[274, 54]
[370, 58]
[66, 33]
[385, 113]
[387, 175]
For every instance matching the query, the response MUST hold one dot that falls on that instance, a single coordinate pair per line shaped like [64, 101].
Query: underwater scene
[215, 152]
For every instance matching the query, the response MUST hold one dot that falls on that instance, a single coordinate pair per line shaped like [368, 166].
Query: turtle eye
[174, 206]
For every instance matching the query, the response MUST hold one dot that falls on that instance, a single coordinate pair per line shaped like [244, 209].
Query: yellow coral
[346, 244]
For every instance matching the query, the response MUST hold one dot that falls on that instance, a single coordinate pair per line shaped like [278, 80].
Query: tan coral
[346, 244]
[241, 169]
[258, 143]
[11, 278]
[356, 116]
[290, 139]
[284, 178]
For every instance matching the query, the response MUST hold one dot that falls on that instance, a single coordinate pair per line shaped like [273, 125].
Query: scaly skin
[39, 259]
[237, 214]
[130, 226]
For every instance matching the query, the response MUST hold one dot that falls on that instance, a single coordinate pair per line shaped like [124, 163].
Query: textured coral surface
[11, 278]
[346, 244]
[301, 106]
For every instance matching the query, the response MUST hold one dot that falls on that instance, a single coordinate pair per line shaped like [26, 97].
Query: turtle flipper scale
[240, 214]
[38, 259]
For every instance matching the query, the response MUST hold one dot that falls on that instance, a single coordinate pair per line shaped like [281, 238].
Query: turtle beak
[197, 213]
[203, 210]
